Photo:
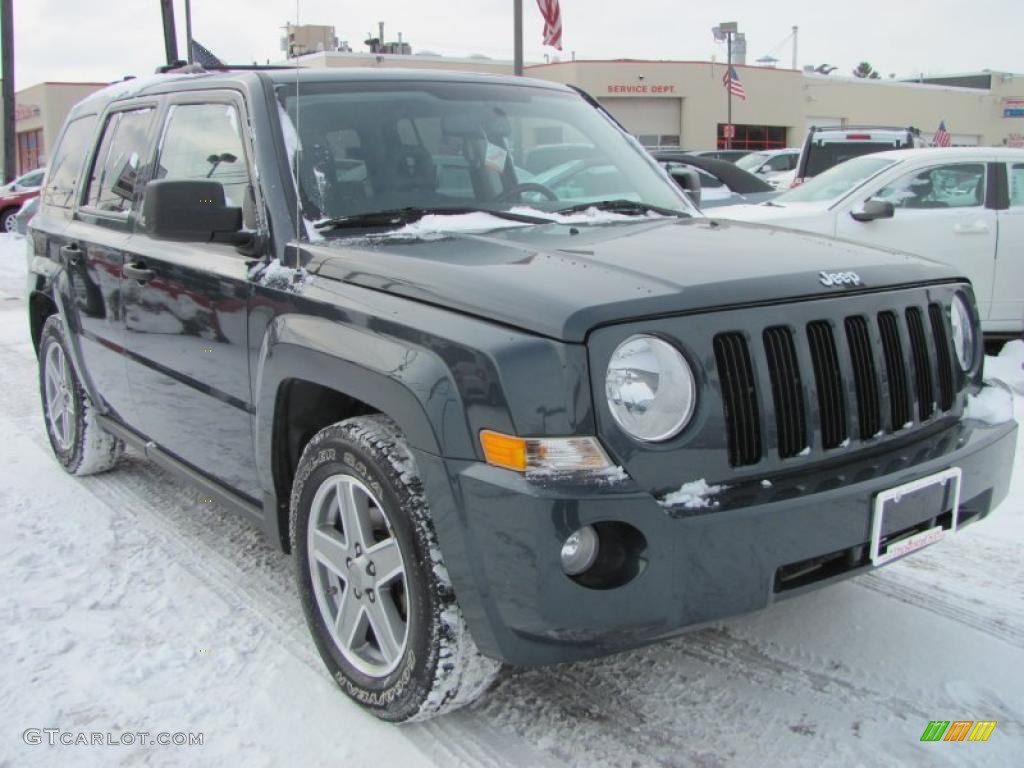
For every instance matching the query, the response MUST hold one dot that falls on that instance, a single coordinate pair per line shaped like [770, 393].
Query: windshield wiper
[394, 217]
[627, 207]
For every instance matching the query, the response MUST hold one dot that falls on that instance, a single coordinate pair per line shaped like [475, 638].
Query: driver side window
[955, 185]
[203, 142]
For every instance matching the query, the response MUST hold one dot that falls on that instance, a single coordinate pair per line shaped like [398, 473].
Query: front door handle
[138, 272]
[71, 255]
[974, 228]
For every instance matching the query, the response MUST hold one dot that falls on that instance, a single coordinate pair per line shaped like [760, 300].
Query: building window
[754, 137]
[30, 150]
[656, 141]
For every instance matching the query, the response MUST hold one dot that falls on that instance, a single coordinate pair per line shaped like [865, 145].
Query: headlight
[963, 331]
[650, 388]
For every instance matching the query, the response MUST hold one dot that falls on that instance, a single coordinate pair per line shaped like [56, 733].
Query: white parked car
[963, 206]
[775, 166]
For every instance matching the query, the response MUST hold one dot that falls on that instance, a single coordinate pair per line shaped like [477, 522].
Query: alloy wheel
[359, 576]
[60, 402]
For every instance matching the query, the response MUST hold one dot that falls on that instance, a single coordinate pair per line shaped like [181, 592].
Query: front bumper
[501, 537]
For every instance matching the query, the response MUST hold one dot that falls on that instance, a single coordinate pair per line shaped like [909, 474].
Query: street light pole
[7, 65]
[517, 34]
[188, 30]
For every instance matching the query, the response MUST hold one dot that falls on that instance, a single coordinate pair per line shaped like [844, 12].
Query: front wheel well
[302, 409]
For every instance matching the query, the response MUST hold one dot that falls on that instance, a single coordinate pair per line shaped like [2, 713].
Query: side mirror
[192, 211]
[689, 182]
[873, 209]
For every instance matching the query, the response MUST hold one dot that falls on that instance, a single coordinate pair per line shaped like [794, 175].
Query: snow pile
[590, 217]
[695, 495]
[1004, 375]
[1008, 367]
[437, 226]
[992, 405]
[444, 224]
[277, 275]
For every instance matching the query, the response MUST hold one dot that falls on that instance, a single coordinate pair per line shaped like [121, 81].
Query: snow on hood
[436, 226]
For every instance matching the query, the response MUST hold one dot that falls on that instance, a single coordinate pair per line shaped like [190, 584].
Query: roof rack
[184, 68]
[912, 129]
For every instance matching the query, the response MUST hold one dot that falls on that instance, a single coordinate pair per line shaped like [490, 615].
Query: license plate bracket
[908, 544]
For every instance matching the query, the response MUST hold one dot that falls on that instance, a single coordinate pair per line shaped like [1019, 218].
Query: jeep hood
[561, 281]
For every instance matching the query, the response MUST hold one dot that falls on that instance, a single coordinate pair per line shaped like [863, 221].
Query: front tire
[78, 441]
[8, 222]
[374, 589]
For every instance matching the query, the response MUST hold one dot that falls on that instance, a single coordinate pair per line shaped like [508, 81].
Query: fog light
[579, 551]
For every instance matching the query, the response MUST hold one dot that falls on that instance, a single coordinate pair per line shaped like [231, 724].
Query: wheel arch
[312, 372]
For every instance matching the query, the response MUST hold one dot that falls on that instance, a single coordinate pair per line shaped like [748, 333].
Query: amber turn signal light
[504, 450]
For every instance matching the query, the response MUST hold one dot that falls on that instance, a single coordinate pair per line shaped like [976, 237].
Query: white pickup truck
[962, 206]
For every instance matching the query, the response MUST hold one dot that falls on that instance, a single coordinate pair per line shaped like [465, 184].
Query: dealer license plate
[883, 549]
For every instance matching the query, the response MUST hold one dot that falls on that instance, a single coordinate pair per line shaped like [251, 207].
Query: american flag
[201, 55]
[552, 22]
[732, 81]
[941, 137]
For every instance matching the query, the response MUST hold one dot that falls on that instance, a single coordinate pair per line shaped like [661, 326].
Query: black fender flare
[409, 384]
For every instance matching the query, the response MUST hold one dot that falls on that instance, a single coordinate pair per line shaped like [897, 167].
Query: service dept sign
[833, 279]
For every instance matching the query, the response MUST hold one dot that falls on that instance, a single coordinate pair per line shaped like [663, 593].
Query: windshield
[750, 162]
[365, 147]
[835, 182]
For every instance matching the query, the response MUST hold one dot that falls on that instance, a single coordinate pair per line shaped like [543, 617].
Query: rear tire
[80, 444]
[374, 588]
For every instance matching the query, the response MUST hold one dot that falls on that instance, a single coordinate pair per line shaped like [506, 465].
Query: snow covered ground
[128, 604]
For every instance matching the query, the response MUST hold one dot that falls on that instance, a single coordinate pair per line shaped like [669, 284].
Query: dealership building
[39, 113]
[683, 103]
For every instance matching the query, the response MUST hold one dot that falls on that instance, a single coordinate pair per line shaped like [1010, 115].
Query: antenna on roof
[298, 145]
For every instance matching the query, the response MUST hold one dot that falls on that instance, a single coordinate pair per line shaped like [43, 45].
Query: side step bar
[182, 470]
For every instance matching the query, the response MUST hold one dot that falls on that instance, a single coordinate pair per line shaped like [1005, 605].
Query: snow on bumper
[501, 537]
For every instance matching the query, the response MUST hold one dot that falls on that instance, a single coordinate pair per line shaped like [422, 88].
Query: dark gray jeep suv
[497, 415]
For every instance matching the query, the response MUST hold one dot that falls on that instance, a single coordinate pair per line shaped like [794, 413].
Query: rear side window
[203, 142]
[118, 163]
[1017, 185]
[67, 162]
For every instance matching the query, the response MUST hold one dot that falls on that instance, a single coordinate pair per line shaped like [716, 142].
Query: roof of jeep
[180, 81]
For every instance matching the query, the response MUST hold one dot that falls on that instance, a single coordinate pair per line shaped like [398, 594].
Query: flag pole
[517, 34]
[188, 29]
[728, 73]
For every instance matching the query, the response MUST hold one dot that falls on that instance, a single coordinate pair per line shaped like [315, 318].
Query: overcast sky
[103, 41]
